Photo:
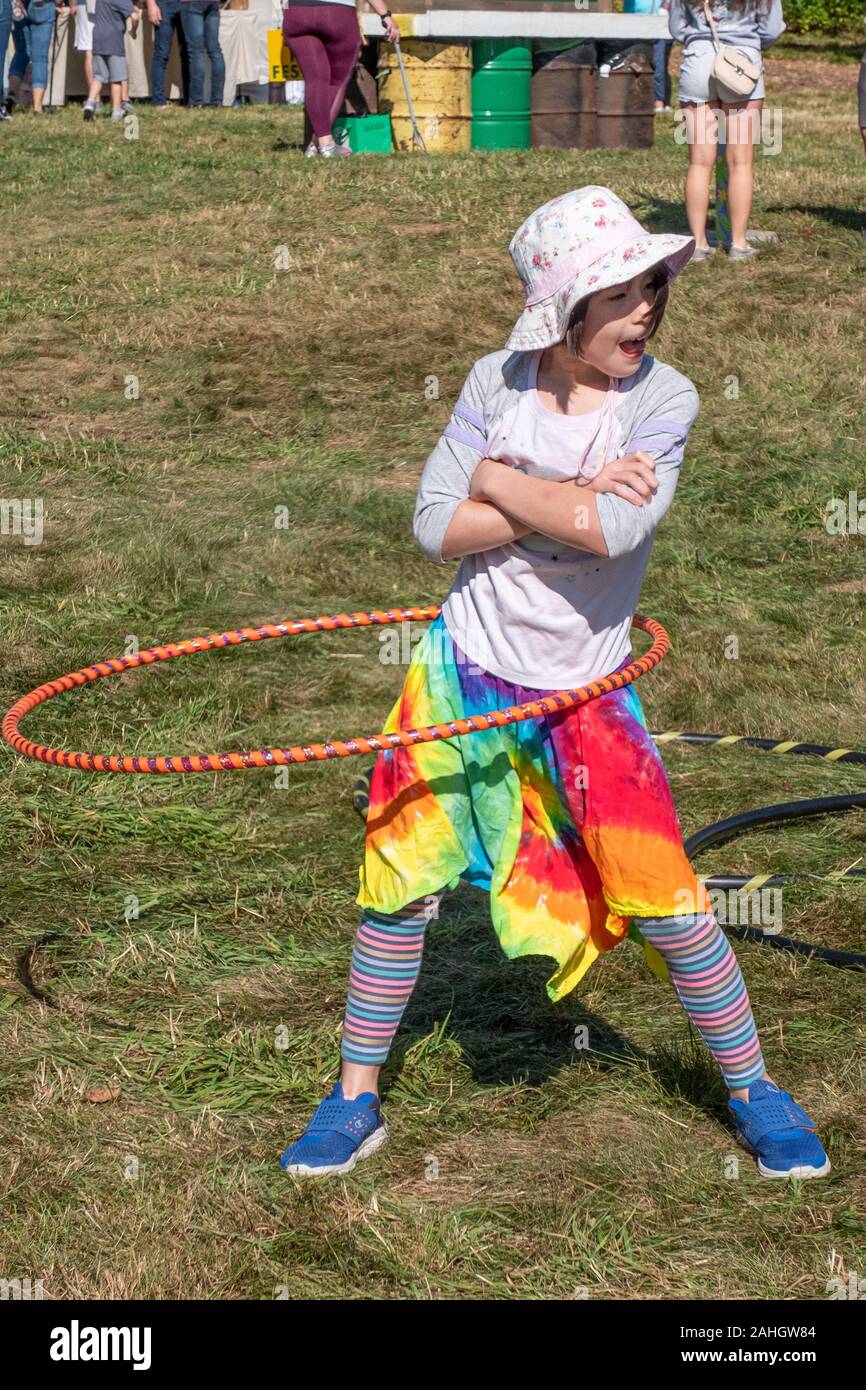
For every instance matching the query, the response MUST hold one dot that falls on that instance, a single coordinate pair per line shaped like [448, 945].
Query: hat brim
[544, 323]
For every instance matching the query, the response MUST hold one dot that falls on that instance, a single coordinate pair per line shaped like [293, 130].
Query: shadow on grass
[507, 1028]
[850, 219]
[665, 215]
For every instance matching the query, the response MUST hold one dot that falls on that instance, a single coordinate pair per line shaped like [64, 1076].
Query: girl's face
[617, 320]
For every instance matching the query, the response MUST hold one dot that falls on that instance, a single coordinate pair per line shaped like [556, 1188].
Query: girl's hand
[632, 477]
[481, 477]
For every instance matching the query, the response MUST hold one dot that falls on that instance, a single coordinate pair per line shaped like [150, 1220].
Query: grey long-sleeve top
[536, 611]
[740, 26]
[655, 411]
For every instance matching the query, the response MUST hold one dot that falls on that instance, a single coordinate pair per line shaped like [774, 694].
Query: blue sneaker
[340, 1132]
[779, 1132]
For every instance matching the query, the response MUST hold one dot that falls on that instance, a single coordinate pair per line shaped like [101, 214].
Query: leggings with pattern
[386, 960]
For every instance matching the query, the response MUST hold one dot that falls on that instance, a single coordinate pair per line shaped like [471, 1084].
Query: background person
[750, 26]
[84, 34]
[164, 15]
[109, 54]
[5, 35]
[32, 31]
[661, 51]
[200, 20]
[326, 40]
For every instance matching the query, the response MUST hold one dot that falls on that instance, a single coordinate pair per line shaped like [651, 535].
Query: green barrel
[501, 94]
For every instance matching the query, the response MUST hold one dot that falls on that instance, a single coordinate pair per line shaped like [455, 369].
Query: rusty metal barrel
[564, 98]
[626, 101]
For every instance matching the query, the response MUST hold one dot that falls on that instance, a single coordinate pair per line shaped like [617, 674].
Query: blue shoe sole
[373, 1142]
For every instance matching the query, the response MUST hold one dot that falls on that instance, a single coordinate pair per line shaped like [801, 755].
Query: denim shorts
[110, 68]
[696, 74]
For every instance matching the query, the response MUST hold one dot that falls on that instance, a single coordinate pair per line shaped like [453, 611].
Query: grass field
[519, 1167]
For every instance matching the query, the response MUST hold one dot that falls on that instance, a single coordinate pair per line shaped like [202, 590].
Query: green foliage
[823, 16]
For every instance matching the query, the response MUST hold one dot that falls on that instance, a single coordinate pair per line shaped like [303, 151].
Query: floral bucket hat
[575, 245]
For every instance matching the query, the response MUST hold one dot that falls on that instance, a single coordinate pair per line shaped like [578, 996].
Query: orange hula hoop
[301, 753]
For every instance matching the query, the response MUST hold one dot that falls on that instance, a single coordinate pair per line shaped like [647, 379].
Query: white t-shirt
[537, 612]
[84, 26]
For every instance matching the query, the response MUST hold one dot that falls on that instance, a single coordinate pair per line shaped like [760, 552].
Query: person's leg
[192, 21]
[313, 61]
[20, 58]
[342, 46]
[386, 959]
[184, 52]
[660, 68]
[705, 974]
[5, 34]
[88, 67]
[710, 986]
[861, 98]
[161, 49]
[742, 132]
[629, 826]
[94, 91]
[115, 97]
[701, 121]
[215, 53]
[42, 19]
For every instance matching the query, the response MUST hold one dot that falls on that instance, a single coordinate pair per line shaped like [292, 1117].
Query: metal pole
[723, 212]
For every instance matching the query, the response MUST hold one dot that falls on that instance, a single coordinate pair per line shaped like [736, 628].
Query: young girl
[750, 26]
[559, 461]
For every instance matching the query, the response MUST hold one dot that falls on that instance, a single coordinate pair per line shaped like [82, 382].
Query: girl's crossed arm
[562, 509]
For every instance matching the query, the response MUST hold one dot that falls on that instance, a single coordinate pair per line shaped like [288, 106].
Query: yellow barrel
[440, 82]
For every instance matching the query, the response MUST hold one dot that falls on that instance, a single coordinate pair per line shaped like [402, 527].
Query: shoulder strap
[712, 23]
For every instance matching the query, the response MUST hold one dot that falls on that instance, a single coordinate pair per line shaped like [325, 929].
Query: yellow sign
[282, 63]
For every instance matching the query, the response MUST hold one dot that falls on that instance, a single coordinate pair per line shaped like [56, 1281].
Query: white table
[520, 24]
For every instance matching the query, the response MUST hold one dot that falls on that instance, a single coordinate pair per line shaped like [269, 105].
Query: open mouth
[633, 347]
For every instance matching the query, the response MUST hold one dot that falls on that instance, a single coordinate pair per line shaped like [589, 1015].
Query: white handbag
[732, 69]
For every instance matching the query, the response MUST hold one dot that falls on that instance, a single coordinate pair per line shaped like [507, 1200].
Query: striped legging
[386, 960]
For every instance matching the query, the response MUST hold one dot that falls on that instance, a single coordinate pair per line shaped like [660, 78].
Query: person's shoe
[118, 114]
[742, 253]
[312, 149]
[340, 1132]
[332, 151]
[126, 108]
[701, 253]
[779, 1133]
[89, 110]
[6, 110]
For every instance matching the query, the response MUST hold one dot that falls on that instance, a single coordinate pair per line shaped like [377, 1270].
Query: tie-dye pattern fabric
[567, 821]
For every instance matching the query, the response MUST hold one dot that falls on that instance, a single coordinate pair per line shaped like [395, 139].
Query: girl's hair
[659, 283]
